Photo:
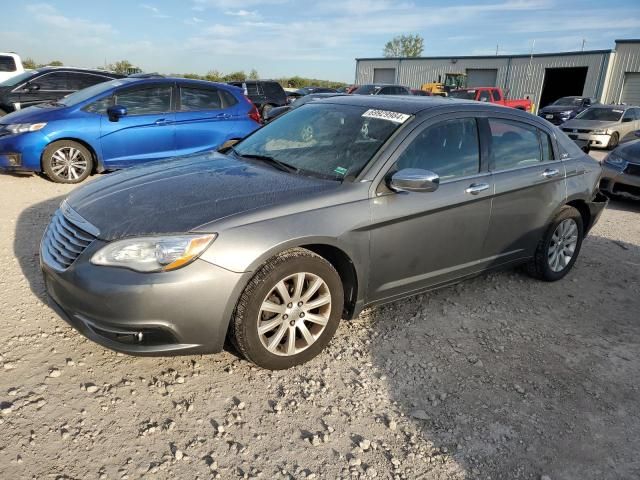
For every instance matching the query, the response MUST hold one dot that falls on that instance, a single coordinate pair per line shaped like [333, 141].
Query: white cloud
[241, 13]
[154, 10]
[48, 15]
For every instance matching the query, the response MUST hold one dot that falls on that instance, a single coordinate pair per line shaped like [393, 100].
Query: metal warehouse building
[612, 76]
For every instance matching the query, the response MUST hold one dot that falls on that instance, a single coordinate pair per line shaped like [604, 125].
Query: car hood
[588, 124]
[33, 115]
[180, 194]
[630, 151]
[559, 108]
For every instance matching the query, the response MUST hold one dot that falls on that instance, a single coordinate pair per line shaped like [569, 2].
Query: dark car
[565, 108]
[47, 84]
[312, 97]
[621, 171]
[273, 242]
[381, 89]
[265, 94]
[420, 93]
[309, 90]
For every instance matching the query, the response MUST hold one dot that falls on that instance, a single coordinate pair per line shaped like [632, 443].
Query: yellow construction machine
[452, 81]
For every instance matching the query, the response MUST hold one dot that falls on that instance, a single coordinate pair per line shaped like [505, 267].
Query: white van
[10, 66]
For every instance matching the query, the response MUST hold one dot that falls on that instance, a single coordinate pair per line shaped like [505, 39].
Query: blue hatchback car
[121, 123]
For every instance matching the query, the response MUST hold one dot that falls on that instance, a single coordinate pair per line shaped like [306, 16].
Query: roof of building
[478, 57]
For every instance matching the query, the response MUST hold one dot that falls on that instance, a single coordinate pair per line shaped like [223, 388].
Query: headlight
[600, 131]
[153, 254]
[615, 159]
[566, 114]
[16, 128]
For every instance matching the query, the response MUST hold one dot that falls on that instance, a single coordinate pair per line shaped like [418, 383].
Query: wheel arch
[97, 162]
[585, 213]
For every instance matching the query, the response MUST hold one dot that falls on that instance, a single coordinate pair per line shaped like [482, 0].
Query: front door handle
[162, 121]
[223, 115]
[476, 188]
[551, 172]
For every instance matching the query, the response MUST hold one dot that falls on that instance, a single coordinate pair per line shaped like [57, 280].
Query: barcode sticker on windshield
[394, 117]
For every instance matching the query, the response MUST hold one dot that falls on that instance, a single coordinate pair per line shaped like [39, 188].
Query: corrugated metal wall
[521, 75]
[627, 59]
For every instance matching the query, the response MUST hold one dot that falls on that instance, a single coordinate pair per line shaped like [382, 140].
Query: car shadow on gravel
[507, 377]
[30, 227]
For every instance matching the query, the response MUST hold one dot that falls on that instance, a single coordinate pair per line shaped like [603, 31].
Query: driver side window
[449, 148]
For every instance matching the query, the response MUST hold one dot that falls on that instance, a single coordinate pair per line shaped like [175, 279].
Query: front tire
[66, 161]
[558, 249]
[614, 140]
[289, 311]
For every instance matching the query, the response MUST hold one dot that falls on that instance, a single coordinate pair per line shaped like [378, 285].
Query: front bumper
[27, 146]
[591, 139]
[186, 311]
[554, 118]
[616, 182]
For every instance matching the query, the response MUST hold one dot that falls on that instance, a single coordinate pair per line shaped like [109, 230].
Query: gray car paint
[397, 243]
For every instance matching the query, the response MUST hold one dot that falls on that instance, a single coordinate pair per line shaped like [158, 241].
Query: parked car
[308, 90]
[491, 95]
[565, 108]
[265, 94]
[292, 96]
[381, 89]
[420, 93]
[272, 243]
[312, 97]
[122, 123]
[47, 84]
[604, 126]
[621, 171]
[10, 66]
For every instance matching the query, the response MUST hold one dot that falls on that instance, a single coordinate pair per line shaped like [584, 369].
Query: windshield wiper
[285, 167]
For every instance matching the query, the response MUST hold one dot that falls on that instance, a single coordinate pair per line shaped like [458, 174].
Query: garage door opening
[481, 77]
[562, 82]
[631, 89]
[384, 75]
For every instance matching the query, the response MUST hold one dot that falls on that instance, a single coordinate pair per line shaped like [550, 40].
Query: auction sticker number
[394, 117]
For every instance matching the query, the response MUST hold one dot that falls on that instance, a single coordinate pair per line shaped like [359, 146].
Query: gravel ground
[501, 377]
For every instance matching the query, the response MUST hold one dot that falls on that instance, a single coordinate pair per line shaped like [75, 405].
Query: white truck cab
[10, 66]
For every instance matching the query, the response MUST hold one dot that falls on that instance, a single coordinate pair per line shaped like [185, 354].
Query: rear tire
[614, 140]
[289, 311]
[559, 247]
[66, 161]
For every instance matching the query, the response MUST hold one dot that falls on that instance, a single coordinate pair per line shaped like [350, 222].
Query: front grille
[63, 242]
[632, 169]
[575, 130]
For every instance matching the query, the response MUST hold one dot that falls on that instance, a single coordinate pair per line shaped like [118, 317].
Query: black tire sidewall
[252, 299]
[613, 144]
[566, 213]
[51, 149]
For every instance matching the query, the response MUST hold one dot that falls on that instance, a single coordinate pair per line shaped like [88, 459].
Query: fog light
[14, 159]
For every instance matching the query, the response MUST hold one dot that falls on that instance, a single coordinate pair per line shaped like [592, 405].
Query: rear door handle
[476, 188]
[551, 172]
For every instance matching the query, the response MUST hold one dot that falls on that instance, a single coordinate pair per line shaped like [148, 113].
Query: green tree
[55, 63]
[123, 67]
[29, 63]
[235, 76]
[253, 74]
[214, 76]
[404, 46]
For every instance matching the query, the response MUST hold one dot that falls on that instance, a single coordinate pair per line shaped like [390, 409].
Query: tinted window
[52, 81]
[272, 88]
[145, 101]
[99, 106]
[253, 89]
[513, 144]
[606, 114]
[7, 64]
[496, 95]
[629, 114]
[199, 99]
[449, 149]
[78, 81]
[484, 96]
[365, 90]
[547, 147]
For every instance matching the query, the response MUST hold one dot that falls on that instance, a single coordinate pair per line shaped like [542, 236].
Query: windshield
[601, 114]
[366, 90]
[464, 94]
[87, 93]
[13, 81]
[323, 139]
[573, 101]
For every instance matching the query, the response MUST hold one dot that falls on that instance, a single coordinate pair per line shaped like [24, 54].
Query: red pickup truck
[491, 95]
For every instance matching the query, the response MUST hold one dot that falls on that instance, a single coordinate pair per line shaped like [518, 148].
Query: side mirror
[627, 120]
[414, 180]
[116, 112]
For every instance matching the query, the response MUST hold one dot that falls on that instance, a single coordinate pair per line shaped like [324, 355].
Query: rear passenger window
[449, 149]
[253, 89]
[199, 99]
[7, 64]
[513, 144]
[547, 147]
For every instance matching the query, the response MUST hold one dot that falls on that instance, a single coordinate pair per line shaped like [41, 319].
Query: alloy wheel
[68, 163]
[294, 314]
[563, 245]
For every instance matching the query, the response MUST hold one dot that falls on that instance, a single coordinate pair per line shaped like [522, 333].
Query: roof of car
[408, 104]
[619, 106]
[80, 69]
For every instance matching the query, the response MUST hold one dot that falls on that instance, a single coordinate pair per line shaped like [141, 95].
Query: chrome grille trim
[64, 240]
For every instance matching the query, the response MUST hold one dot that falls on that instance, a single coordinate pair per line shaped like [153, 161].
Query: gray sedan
[341, 204]
[604, 125]
[621, 171]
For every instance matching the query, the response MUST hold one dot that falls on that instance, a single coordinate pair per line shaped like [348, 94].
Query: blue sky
[316, 39]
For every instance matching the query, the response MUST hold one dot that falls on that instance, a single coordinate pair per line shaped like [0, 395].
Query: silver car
[604, 126]
[339, 205]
